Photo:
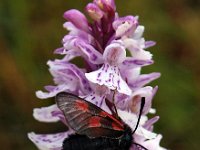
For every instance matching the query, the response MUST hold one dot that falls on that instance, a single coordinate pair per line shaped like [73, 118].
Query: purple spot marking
[103, 67]
[99, 80]
[46, 140]
[118, 83]
[107, 66]
[94, 57]
[99, 74]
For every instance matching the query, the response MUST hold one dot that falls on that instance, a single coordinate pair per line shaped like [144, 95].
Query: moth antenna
[140, 114]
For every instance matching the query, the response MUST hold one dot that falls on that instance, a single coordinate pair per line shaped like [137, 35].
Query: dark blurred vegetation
[31, 30]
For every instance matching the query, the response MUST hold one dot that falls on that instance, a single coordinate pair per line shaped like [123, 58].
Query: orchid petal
[53, 92]
[69, 54]
[48, 141]
[59, 50]
[70, 74]
[98, 96]
[150, 122]
[131, 120]
[44, 114]
[134, 102]
[73, 30]
[125, 26]
[70, 26]
[138, 32]
[130, 75]
[114, 53]
[145, 133]
[142, 54]
[131, 63]
[59, 114]
[153, 144]
[98, 101]
[83, 48]
[152, 110]
[143, 80]
[149, 44]
[134, 46]
[109, 76]
[121, 101]
[90, 52]
[76, 33]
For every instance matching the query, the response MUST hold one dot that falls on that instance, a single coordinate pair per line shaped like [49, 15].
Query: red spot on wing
[116, 124]
[103, 114]
[81, 105]
[94, 122]
[116, 127]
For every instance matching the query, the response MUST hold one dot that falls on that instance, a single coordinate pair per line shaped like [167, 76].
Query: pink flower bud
[94, 11]
[77, 18]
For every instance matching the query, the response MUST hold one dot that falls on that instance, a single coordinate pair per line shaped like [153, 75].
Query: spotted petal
[109, 76]
[115, 53]
[74, 31]
[53, 92]
[97, 96]
[142, 80]
[44, 114]
[90, 52]
[59, 114]
[69, 74]
[49, 114]
[69, 54]
[131, 63]
[82, 46]
[48, 141]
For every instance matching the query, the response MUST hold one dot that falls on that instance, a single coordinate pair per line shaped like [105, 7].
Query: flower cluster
[113, 52]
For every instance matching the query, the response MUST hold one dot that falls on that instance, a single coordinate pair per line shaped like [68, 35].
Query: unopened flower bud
[104, 4]
[77, 18]
[94, 11]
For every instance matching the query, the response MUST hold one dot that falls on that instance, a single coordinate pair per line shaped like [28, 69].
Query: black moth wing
[88, 119]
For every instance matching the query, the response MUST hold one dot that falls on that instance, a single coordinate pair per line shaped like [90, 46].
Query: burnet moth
[95, 129]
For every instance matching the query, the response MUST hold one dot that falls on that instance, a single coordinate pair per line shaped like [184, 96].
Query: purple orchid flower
[114, 52]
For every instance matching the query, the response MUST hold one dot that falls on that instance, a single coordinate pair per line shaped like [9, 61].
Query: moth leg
[111, 105]
[113, 101]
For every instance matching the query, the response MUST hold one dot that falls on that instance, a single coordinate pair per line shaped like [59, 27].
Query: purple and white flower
[114, 51]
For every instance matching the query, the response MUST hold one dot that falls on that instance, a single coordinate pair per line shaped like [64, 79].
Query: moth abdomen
[82, 142]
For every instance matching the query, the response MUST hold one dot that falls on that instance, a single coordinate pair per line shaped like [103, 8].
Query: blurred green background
[31, 29]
